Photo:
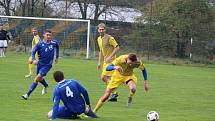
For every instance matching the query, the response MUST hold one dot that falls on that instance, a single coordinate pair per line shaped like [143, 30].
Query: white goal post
[60, 19]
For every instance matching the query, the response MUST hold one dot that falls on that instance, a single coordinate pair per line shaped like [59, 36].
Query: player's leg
[112, 85]
[5, 48]
[1, 51]
[33, 86]
[132, 86]
[30, 67]
[43, 71]
[90, 113]
[1, 48]
[102, 99]
[114, 95]
[105, 77]
[63, 113]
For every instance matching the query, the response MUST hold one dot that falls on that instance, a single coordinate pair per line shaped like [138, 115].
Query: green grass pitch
[177, 93]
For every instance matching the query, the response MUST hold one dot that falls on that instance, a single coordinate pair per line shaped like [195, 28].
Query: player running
[73, 95]
[36, 39]
[108, 48]
[46, 49]
[124, 66]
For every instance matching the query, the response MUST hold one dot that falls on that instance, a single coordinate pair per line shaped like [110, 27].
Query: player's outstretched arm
[56, 101]
[84, 93]
[34, 50]
[57, 53]
[112, 67]
[100, 59]
[115, 51]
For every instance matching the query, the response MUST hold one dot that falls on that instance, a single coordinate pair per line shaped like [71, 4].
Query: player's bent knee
[39, 78]
[133, 90]
[106, 95]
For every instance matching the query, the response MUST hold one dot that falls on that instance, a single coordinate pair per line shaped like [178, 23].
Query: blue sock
[31, 89]
[44, 83]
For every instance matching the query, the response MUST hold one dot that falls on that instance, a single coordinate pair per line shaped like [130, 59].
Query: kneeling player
[70, 92]
[124, 66]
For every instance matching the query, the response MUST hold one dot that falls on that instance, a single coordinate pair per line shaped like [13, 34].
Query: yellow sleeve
[33, 43]
[119, 60]
[35, 40]
[113, 42]
[99, 43]
[142, 66]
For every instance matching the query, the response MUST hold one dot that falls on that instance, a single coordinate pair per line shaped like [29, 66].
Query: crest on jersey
[50, 47]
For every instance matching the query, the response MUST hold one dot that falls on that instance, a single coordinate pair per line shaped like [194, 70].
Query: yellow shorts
[117, 79]
[104, 72]
[30, 58]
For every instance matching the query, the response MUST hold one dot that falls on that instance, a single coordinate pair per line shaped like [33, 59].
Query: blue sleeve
[34, 51]
[145, 74]
[57, 50]
[110, 67]
[56, 101]
[84, 93]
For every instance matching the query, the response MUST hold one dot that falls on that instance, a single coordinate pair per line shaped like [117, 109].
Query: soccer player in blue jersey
[73, 96]
[46, 51]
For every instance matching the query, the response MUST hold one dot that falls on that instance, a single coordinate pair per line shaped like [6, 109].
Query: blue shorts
[43, 69]
[64, 113]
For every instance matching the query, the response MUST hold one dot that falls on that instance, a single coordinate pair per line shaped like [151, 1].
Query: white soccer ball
[152, 116]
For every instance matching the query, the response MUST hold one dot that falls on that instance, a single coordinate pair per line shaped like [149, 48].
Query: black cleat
[113, 98]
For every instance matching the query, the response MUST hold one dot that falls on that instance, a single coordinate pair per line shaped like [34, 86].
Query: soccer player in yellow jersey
[108, 48]
[35, 40]
[123, 66]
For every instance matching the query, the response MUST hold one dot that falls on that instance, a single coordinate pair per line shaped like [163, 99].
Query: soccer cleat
[91, 114]
[25, 96]
[113, 97]
[129, 101]
[44, 90]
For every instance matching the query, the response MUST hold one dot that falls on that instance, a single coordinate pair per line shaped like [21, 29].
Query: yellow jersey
[107, 43]
[127, 70]
[35, 40]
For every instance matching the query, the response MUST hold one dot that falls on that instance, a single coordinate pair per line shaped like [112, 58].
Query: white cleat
[44, 90]
[25, 96]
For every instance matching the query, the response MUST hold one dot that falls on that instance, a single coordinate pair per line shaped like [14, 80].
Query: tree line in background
[165, 25]
[44, 8]
[169, 26]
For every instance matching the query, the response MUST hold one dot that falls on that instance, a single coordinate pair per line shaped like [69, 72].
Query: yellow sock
[98, 106]
[31, 67]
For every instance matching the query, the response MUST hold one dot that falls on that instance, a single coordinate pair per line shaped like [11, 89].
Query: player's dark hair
[58, 76]
[132, 57]
[47, 31]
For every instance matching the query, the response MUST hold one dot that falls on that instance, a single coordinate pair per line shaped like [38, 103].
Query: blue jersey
[45, 52]
[70, 92]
